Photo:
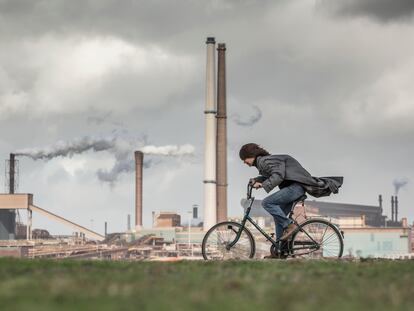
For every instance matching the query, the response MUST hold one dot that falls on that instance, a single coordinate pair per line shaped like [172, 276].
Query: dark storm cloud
[381, 10]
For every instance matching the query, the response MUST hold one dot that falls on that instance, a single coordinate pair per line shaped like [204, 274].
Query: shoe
[288, 231]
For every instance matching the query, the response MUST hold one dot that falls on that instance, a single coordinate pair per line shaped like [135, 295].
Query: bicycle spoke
[216, 243]
[328, 241]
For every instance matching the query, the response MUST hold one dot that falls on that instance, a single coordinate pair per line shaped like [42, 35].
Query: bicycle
[314, 238]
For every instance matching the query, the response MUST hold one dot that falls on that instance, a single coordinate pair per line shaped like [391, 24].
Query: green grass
[252, 285]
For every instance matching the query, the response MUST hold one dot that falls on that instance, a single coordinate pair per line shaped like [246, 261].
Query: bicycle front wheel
[317, 238]
[216, 242]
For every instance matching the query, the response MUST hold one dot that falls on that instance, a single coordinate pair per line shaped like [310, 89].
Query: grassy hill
[251, 285]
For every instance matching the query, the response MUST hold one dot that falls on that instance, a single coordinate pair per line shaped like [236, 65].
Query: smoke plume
[399, 183]
[250, 120]
[125, 161]
[169, 150]
[68, 149]
[122, 148]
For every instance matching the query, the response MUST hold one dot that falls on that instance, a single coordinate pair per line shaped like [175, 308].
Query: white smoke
[399, 183]
[121, 148]
[251, 120]
[169, 150]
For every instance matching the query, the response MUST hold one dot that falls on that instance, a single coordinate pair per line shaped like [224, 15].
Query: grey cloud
[380, 10]
[148, 21]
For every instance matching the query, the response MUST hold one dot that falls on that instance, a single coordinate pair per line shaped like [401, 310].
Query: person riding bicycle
[293, 180]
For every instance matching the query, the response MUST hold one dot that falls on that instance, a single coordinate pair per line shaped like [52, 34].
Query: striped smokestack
[210, 202]
[139, 160]
[221, 135]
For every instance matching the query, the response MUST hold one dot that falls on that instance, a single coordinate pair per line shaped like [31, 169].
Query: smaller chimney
[392, 208]
[195, 211]
[106, 228]
[404, 222]
[380, 202]
[396, 208]
[129, 222]
[12, 173]
[139, 160]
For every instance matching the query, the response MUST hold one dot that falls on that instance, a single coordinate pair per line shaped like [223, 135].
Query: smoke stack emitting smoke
[399, 183]
[121, 148]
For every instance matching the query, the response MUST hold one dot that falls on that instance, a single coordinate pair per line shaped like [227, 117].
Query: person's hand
[257, 185]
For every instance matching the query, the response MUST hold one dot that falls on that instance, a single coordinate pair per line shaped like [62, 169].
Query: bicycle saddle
[302, 198]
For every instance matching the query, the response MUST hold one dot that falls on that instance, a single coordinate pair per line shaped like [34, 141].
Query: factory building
[7, 224]
[377, 242]
[8, 216]
[372, 214]
[179, 235]
[167, 219]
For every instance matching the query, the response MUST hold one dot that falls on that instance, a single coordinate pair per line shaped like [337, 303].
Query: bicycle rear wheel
[317, 238]
[216, 240]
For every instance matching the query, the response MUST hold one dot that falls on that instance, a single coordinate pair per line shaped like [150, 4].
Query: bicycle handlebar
[249, 189]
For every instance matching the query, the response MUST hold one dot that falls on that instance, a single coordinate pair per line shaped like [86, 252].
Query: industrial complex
[368, 232]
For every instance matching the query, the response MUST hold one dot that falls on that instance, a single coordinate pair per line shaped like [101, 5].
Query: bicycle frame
[267, 236]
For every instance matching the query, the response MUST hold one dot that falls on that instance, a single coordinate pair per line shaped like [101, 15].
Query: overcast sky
[328, 82]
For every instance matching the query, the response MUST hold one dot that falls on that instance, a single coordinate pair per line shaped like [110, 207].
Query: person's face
[248, 161]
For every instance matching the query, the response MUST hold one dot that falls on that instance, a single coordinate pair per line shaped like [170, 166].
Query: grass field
[251, 285]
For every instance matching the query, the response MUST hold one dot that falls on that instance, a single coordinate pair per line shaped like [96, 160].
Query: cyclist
[291, 178]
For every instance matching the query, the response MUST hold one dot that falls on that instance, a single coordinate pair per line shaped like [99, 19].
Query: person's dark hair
[252, 151]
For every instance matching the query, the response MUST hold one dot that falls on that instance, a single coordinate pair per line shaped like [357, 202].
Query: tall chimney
[221, 135]
[210, 202]
[392, 208]
[396, 208]
[12, 173]
[139, 159]
[106, 228]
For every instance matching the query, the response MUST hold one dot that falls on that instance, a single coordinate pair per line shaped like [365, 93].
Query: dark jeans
[279, 204]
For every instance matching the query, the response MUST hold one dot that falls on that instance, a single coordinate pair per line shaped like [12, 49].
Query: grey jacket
[281, 170]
